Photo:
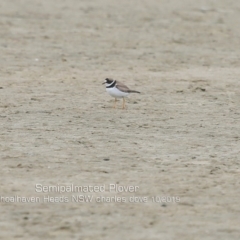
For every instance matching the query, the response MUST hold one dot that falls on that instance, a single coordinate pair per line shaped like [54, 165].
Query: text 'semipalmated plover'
[117, 90]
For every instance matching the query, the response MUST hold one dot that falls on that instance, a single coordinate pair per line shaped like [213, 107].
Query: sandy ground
[177, 140]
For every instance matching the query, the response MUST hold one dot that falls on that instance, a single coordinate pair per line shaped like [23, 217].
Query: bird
[117, 90]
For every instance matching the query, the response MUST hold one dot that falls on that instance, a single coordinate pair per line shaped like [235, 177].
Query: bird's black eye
[108, 80]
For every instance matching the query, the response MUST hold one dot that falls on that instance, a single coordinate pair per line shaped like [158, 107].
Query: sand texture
[179, 139]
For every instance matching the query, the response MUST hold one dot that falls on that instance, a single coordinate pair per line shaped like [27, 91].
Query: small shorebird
[117, 90]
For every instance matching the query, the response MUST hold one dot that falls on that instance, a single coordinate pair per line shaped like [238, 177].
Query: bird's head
[108, 81]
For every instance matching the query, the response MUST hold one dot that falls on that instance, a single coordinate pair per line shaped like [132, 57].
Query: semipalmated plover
[117, 90]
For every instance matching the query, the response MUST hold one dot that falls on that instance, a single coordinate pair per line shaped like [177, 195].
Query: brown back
[122, 87]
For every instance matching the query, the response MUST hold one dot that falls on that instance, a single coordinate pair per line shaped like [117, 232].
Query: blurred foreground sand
[179, 138]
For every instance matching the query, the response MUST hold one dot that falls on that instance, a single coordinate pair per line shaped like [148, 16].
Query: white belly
[114, 92]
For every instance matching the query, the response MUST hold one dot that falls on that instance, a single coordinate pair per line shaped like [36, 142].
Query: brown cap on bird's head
[108, 80]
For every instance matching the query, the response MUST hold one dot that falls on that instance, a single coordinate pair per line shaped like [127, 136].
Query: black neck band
[112, 85]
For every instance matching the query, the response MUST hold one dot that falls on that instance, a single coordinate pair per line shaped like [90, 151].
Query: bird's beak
[104, 83]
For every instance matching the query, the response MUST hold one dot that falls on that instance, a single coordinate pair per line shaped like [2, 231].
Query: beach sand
[173, 154]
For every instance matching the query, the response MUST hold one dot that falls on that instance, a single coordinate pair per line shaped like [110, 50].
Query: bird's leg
[123, 103]
[115, 102]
